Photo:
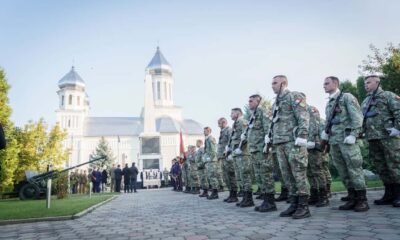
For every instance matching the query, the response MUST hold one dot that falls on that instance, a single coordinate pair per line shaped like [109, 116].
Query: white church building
[151, 140]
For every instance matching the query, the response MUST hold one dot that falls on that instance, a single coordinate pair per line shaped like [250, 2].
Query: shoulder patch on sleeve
[397, 98]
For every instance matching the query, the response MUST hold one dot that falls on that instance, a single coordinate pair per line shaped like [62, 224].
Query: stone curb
[60, 218]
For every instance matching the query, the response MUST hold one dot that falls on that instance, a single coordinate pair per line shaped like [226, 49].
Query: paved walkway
[163, 214]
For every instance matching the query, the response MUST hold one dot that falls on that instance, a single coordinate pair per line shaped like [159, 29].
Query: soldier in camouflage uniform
[193, 172]
[210, 158]
[315, 173]
[238, 150]
[325, 162]
[201, 167]
[227, 165]
[289, 136]
[284, 194]
[344, 149]
[186, 175]
[263, 167]
[382, 130]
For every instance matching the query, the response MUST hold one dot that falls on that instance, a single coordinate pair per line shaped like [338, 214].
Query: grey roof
[72, 77]
[158, 61]
[133, 126]
[113, 126]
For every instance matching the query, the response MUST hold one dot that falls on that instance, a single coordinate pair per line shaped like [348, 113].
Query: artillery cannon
[35, 184]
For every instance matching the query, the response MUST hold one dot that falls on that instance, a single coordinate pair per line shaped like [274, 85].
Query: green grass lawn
[17, 209]
[337, 186]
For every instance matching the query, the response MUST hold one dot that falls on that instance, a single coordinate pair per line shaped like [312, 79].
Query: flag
[181, 149]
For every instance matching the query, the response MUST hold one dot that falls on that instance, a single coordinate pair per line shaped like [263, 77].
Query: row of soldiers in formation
[294, 137]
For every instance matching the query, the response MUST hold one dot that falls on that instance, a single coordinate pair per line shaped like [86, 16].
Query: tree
[386, 63]
[362, 94]
[102, 150]
[8, 156]
[349, 87]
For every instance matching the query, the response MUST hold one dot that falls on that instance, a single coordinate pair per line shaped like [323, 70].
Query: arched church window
[78, 101]
[69, 122]
[165, 90]
[62, 100]
[158, 90]
[70, 100]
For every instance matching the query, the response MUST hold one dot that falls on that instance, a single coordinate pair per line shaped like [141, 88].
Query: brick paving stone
[163, 214]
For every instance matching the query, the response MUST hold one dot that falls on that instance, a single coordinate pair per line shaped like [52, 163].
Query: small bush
[61, 186]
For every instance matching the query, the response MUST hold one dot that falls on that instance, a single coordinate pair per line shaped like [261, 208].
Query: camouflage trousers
[348, 161]
[186, 174]
[212, 168]
[228, 167]
[315, 172]
[244, 167]
[325, 168]
[263, 168]
[220, 173]
[293, 163]
[385, 154]
[277, 169]
[203, 176]
[194, 176]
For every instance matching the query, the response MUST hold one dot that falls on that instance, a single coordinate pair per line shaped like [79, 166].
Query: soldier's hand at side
[393, 132]
[243, 137]
[267, 140]
[350, 140]
[301, 142]
[324, 136]
[265, 148]
[237, 151]
[310, 145]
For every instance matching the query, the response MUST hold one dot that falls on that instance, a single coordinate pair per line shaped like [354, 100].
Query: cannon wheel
[29, 191]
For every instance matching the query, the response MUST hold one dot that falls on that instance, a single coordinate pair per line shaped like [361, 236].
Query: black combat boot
[294, 201]
[221, 189]
[248, 200]
[362, 201]
[261, 196]
[214, 195]
[302, 210]
[388, 197]
[229, 197]
[313, 197]
[351, 203]
[233, 197]
[284, 195]
[323, 199]
[268, 204]
[187, 190]
[328, 190]
[240, 193]
[204, 194]
[243, 200]
[347, 198]
[396, 194]
[258, 192]
[195, 190]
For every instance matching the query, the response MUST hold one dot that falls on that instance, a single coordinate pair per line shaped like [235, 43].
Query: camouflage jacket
[239, 126]
[292, 119]
[384, 113]
[257, 130]
[315, 124]
[348, 118]
[223, 141]
[210, 152]
[191, 159]
[199, 158]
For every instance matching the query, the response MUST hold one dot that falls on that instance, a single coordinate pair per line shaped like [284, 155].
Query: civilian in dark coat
[98, 180]
[93, 179]
[2, 138]
[141, 177]
[134, 173]
[104, 176]
[127, 178]
[118, 178]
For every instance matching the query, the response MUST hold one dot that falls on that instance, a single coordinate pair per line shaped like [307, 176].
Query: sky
[221, 52]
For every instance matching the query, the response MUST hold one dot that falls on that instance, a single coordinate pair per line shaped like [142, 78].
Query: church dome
[71, 78]
[158, 62]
